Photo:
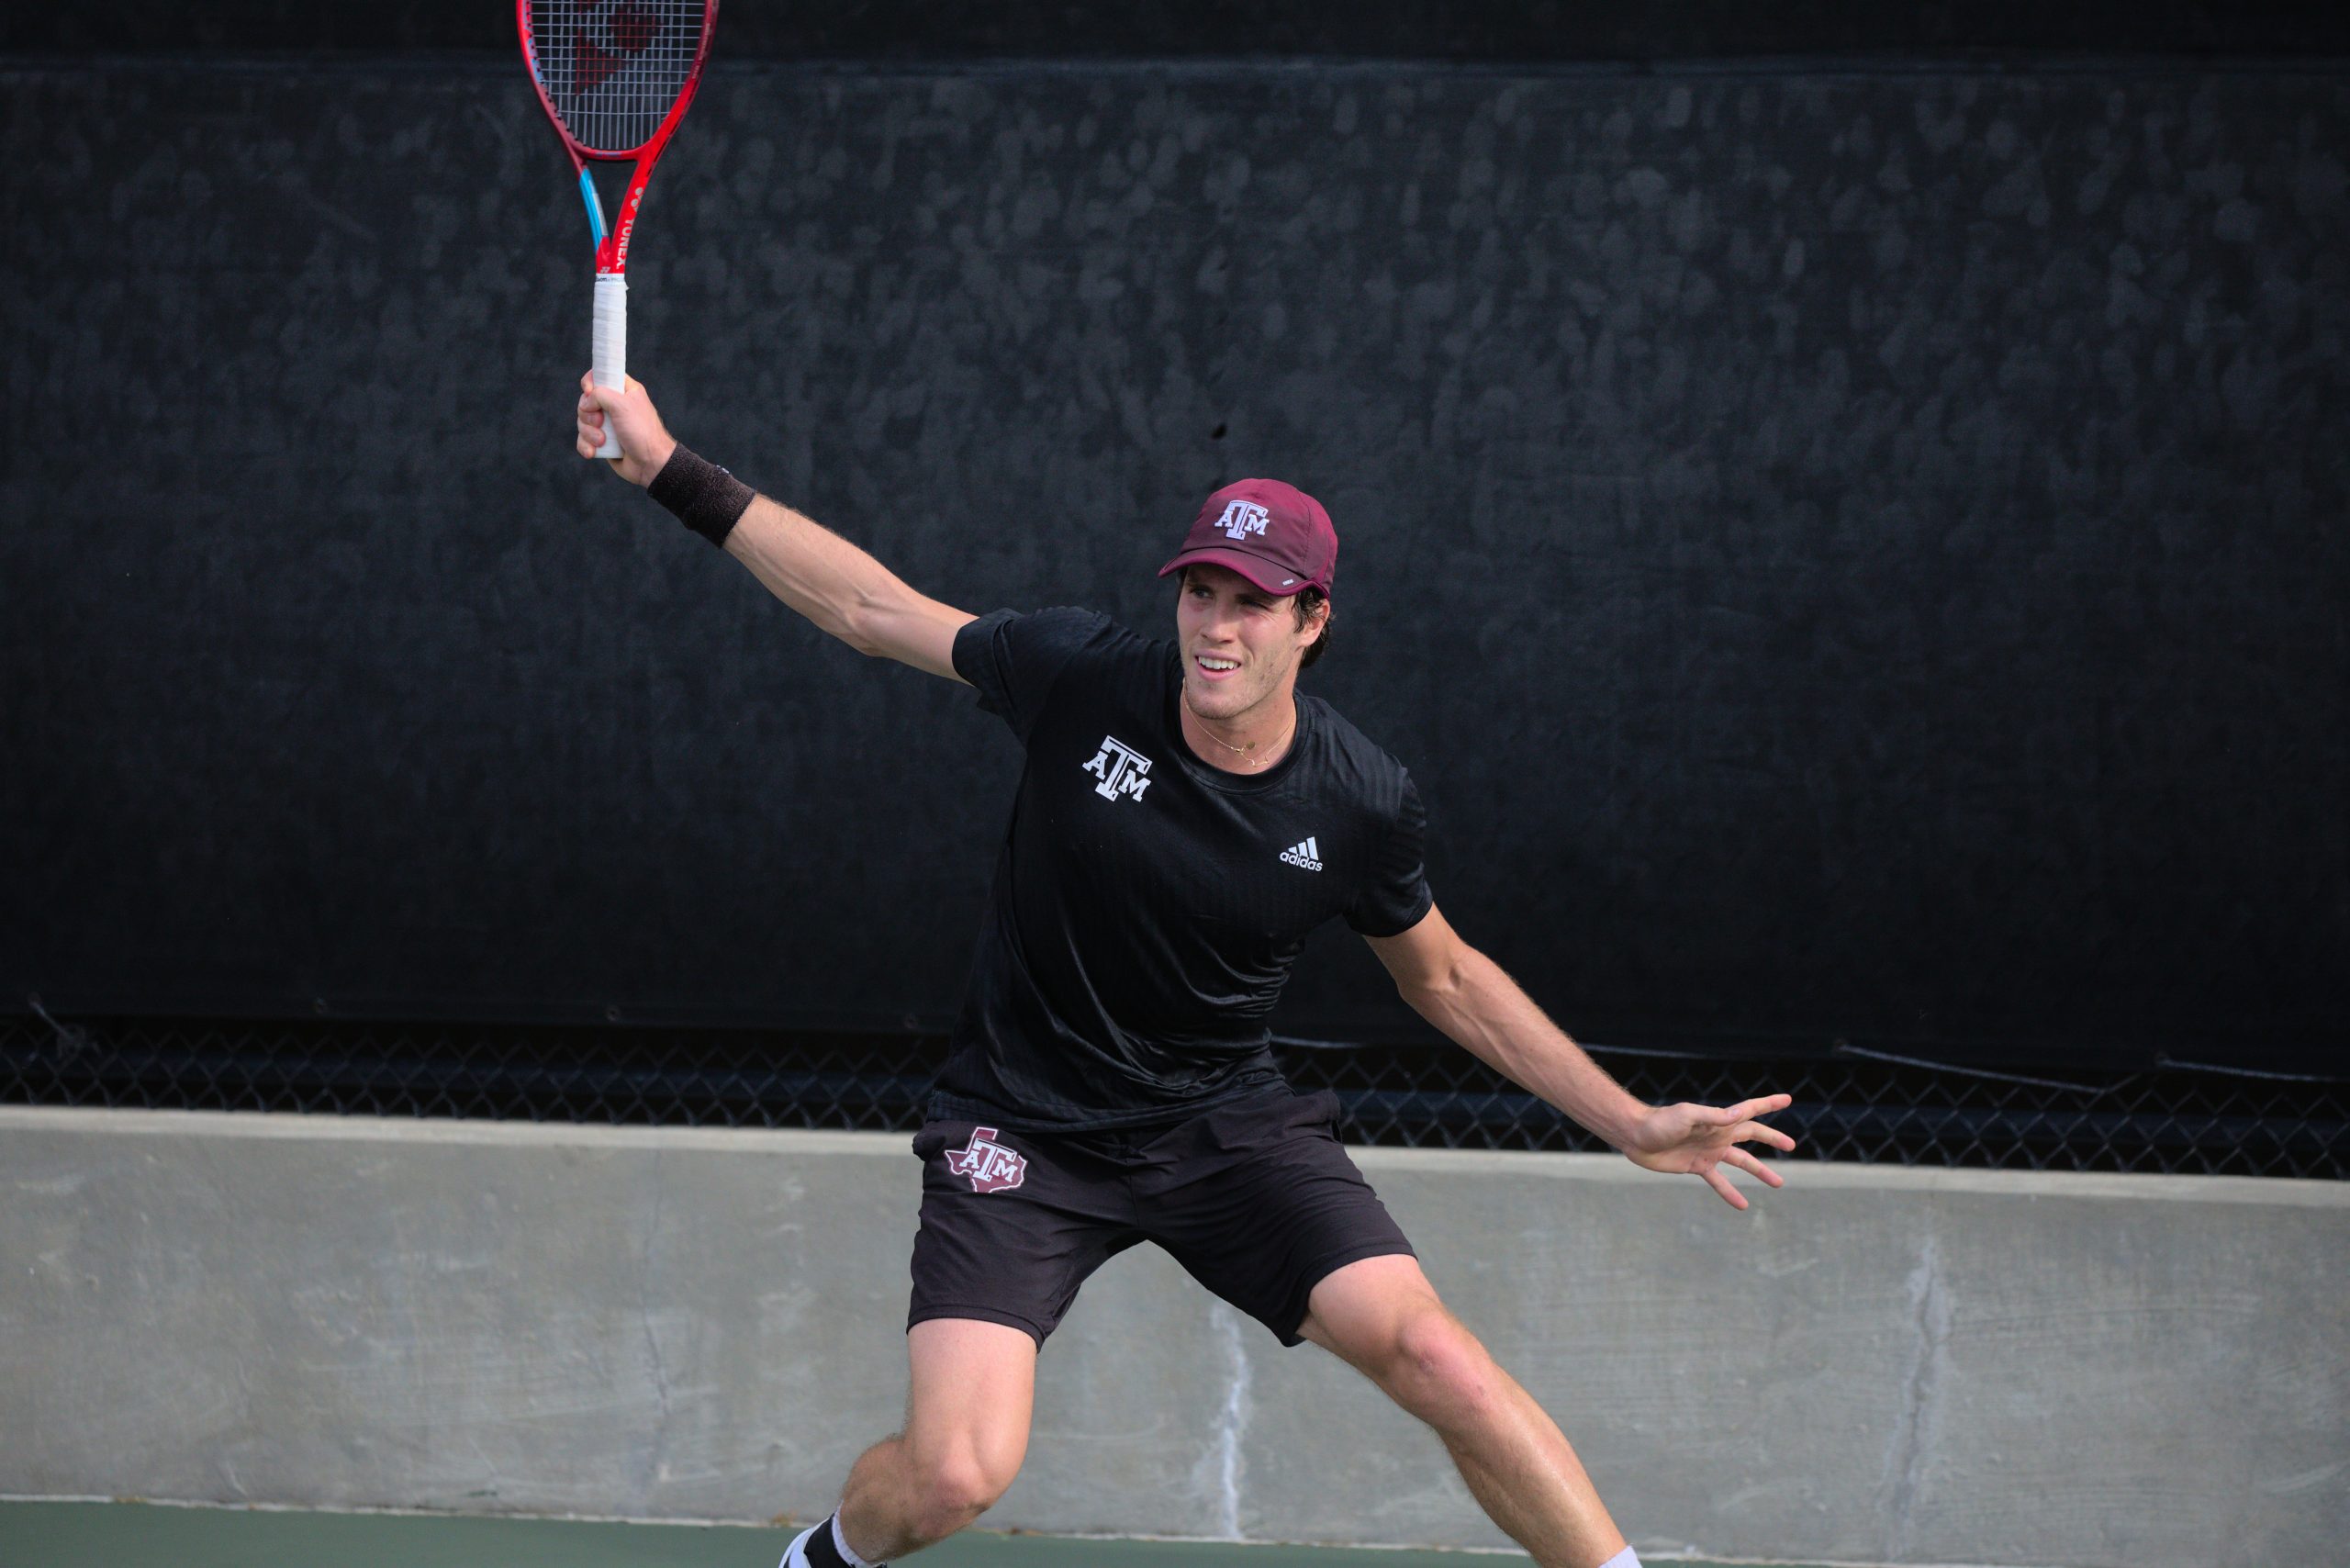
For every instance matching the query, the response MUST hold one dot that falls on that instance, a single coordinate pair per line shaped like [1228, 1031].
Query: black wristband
[702, 496]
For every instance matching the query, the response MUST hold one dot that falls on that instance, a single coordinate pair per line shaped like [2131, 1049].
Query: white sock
[796, 1554]
[1628, 1558]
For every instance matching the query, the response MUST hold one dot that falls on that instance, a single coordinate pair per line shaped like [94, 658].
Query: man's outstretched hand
[1700, 1139]
[645, 446]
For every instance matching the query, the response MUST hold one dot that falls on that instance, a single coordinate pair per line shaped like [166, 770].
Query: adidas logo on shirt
[1306, 855]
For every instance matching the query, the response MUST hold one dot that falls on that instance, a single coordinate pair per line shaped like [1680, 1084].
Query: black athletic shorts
[1256, 1198]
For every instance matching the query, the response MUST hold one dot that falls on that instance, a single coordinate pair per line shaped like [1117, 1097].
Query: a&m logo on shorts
[1242, 519]
[987, 1164]
[1121, 769]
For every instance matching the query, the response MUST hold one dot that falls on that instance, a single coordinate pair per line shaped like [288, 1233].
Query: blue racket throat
[595, 208]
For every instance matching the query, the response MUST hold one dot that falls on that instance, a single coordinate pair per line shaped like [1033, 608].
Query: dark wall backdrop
[1457, 31]
[1847, 553]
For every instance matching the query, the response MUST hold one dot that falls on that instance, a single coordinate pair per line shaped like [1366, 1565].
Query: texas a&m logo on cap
[1274, 534]
[987, 1164]
[1242, 519]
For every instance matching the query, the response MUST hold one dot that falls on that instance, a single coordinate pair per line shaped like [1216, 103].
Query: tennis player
[1185, 818]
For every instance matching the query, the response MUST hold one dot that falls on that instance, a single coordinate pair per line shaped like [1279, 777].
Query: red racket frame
[611, 249]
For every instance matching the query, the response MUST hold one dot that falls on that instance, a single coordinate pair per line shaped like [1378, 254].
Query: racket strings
[612, 69]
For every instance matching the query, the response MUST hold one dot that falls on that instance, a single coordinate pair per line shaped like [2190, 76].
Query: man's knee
[1435, 1366]
[954, 1486]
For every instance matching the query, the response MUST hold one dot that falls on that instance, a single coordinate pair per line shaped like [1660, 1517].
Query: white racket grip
[610, 360]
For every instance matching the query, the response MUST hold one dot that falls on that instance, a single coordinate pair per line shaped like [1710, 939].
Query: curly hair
[1305, 599]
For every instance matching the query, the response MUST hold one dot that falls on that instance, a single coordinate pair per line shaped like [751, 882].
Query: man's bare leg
[969, 1397]
[1381, 1317]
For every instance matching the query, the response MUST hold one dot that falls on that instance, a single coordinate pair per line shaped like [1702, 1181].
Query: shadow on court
[87, 1535]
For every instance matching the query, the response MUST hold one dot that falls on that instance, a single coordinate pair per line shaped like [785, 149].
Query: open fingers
[1721, 1183]
[1754, 1167]
[1755, 1132]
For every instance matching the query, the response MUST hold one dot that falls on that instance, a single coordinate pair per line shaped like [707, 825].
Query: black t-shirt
[1147, 907]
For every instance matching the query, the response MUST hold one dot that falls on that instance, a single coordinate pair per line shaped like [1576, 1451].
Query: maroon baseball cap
[1274, 534]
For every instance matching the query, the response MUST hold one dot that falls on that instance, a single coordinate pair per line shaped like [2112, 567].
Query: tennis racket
[615, 76]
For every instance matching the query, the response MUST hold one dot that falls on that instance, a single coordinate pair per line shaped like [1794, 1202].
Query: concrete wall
[1873, 1365]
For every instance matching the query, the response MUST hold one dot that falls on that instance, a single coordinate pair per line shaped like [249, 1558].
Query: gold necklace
[1243, 750]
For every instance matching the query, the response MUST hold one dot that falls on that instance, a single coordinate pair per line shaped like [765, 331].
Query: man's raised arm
[831, 582]
[1467, 996]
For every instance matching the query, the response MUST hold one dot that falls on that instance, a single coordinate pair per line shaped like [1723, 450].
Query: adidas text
[1307, 855]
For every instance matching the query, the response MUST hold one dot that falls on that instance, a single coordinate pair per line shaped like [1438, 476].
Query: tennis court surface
[86, 1535]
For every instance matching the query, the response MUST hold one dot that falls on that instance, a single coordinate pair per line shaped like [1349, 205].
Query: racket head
[615, 76]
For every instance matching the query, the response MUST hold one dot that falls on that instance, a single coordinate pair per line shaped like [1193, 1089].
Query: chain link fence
[1850, 1103]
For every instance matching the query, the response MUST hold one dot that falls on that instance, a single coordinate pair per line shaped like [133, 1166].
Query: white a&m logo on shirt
[1242, 519]
[1120, 768]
